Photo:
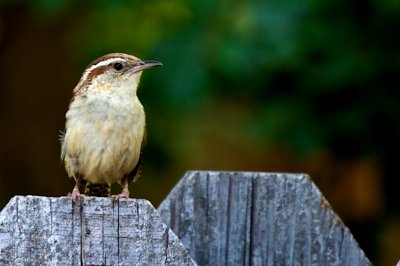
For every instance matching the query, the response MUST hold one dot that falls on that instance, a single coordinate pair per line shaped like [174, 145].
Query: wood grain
[244, 218]
[94, 231]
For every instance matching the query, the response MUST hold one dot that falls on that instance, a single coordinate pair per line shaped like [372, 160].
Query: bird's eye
[118, 66]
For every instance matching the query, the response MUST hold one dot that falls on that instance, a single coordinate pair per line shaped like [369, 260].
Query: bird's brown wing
[135, 173]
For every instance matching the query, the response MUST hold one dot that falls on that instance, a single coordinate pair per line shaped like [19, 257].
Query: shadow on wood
[95, 231]
[232, 218]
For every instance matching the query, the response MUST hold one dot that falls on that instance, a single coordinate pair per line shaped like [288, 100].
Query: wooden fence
[209, 218]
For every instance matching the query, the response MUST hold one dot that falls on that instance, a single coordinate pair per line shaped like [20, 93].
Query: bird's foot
[123, 195]
[75, 194]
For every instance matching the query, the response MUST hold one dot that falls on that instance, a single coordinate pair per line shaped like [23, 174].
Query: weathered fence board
[243, 218]
[222, 218]
[94, 231]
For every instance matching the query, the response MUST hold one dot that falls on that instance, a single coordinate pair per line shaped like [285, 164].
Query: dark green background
[293, 86]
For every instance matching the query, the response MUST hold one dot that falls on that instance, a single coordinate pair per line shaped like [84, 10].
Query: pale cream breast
[104, 136]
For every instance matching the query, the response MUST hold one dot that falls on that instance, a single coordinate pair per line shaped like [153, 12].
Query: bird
[105, 126]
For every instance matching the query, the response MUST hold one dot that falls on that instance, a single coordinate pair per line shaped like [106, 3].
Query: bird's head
[113, 72]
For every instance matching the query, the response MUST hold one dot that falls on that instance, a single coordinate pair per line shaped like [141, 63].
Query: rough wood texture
[226, 218]
[95, 231]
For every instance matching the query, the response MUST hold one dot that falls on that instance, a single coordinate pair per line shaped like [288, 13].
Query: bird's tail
[98, 190]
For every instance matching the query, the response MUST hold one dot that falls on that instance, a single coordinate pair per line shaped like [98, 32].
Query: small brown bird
[105, 126]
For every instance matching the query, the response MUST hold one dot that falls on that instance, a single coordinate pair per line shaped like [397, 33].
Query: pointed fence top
[219, 218]
[245, 218]
[94, 231]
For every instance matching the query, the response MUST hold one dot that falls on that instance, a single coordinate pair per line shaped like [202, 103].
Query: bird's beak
[142, 65]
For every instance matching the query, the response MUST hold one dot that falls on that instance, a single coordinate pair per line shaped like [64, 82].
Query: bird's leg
[125, 190]
[75, 191]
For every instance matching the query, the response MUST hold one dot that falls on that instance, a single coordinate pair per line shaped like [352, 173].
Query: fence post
[222, 218]
[244, 218]
[94, 231]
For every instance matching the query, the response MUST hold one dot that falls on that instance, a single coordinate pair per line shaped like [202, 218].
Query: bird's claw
[123, 195]
[75, 194]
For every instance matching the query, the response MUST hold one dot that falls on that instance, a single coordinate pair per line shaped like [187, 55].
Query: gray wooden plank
[94, 231]
[245, 218]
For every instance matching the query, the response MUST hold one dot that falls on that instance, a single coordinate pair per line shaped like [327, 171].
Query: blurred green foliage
[244, 77]
[313, 73]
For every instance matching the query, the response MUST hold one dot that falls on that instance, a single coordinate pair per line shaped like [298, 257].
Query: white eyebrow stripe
[108, 61]
[100, 64]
